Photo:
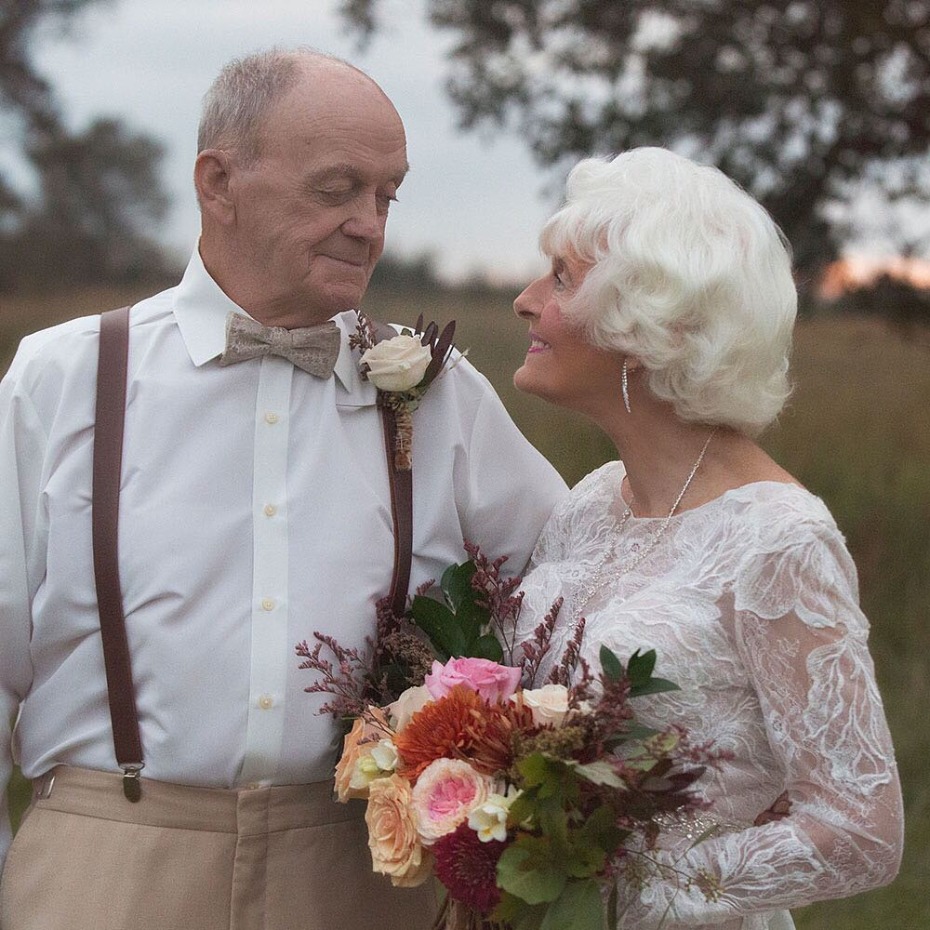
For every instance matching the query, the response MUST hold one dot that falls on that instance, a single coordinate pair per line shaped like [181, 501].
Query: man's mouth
[537, 344]
[357, 261]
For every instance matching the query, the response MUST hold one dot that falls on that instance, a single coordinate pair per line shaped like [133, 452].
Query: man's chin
[339, 298]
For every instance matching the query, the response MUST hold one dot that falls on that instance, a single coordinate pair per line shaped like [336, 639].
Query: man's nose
[366, 222]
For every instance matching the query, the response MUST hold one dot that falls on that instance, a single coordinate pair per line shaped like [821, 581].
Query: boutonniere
[402, 368]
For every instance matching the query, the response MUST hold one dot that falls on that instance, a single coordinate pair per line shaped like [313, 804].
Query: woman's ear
[211, 181]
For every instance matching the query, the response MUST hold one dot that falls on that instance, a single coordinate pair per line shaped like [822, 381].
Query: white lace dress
[751, 603]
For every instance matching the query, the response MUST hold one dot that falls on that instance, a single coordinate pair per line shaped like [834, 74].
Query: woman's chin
[524, 381]
[527, 381]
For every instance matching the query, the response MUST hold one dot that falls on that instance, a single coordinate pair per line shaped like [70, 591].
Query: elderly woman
[666, 318]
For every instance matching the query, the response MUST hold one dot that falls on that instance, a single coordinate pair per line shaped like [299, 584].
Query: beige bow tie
[313, 349]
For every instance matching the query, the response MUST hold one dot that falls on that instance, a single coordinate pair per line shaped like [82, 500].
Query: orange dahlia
[462, 725]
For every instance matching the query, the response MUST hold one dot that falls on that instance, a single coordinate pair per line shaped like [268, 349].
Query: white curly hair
[689, 275]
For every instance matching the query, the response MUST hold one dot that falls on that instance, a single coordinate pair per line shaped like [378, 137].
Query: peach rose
[393, 839]
[446, 792]
[360, 740]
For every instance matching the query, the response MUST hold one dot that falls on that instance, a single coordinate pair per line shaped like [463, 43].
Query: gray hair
[690, 275]
[238, 101]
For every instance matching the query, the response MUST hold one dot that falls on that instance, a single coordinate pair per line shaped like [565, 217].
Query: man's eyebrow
[343, 171]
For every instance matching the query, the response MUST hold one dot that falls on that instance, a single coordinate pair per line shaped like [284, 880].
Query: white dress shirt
[254, 510]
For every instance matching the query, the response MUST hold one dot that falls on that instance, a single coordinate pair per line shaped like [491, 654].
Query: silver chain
[589, 588]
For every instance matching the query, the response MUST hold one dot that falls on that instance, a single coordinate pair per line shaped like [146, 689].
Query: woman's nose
[526, 304]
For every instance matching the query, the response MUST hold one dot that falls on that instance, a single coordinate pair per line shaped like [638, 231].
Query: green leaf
[456, 584]
[579, 907]
[600, 831]
[544, 774]
[473, 620]
[535, 769]
[653, 686]
[639, 669]
[600, 772]
[638, 732]
[517, 914]
[522, 809]
[553, 823]
[528, 870]
[612, 666]
[488, 647]
[438, 623]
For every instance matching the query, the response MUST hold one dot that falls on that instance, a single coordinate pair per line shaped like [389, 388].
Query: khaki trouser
[285, 858]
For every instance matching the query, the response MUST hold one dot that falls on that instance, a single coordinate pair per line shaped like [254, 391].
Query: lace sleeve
[794, 619]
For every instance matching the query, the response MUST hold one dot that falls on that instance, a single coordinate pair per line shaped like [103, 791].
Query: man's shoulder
[63, 341]
[71, 345]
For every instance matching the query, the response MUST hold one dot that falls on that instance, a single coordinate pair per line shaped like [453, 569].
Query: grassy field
[857, 432]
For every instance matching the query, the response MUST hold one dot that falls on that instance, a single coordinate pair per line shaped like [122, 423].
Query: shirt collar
[201, 308]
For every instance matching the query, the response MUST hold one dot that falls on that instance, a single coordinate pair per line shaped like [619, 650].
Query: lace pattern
[751, 602]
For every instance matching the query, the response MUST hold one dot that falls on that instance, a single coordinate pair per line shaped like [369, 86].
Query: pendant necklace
[589, 588]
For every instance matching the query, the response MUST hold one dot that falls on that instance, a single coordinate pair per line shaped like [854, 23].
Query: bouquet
[527, 802]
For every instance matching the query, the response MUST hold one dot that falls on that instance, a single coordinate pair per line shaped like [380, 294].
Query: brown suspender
[402, 515]
[401, 500]
[108, 455]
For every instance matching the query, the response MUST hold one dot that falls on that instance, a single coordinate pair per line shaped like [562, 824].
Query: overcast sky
[476, 203]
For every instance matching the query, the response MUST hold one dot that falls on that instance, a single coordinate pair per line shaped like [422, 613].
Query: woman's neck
[659, 452]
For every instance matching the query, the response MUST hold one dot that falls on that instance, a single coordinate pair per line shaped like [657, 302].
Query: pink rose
[446, 792]
[492, 681]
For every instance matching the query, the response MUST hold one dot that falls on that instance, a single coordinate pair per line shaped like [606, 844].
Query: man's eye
[336, 195]
[385, 201]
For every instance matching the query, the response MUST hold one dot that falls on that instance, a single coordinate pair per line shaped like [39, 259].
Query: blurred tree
[416, 274]
[800, 102]
[23, 92]
[99, 198]
[98, 190]
[903, 306]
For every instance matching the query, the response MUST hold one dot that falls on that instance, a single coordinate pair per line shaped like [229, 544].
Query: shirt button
[268, 603]
[270, 510]
[271, 418]
[266, 702]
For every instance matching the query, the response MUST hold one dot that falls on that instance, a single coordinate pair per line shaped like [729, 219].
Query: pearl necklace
[593, 584]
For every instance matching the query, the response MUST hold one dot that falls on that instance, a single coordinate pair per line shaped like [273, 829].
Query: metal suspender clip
[42, 787]
[132, 784]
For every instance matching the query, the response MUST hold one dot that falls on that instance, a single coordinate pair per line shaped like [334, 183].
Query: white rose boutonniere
[402, 368]
[397, 364]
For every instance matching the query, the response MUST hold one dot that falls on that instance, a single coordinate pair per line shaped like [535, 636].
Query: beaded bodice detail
[751, 602]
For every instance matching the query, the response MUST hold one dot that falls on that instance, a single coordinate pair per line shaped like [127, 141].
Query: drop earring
[625, 387]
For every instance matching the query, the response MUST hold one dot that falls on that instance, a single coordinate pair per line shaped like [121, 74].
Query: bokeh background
[821, 109]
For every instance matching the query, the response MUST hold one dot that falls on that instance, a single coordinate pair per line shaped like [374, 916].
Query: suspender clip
[132, 784]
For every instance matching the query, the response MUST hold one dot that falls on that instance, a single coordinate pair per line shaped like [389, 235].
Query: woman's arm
[803, 639]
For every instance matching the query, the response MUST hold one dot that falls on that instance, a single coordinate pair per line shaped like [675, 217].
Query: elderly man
[255, 508]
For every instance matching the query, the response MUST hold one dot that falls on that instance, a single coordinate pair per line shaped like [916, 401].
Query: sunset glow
[855, 271]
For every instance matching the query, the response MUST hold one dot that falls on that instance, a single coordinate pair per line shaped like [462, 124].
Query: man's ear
[211, 180]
